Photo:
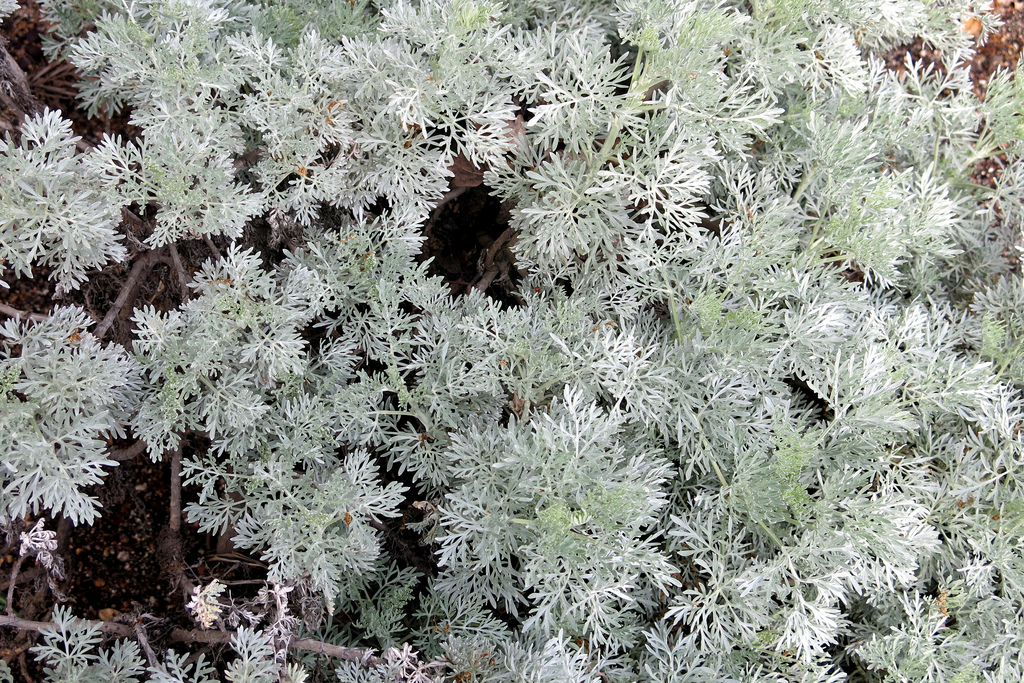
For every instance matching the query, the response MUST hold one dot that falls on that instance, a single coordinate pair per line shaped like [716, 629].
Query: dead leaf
[973, 26]
[516, 127]
[516, 405]
[467, 174]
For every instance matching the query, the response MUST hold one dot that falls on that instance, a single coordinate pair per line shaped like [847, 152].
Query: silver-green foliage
[50, 212]
[7, 7]
[62, 395]
[754, 413]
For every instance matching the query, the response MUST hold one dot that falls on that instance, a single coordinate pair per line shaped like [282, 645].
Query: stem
[212, 247]
[805, 182]
[609, 142]
[616, 124]
[140, 635]
[180, 270]
[770, 533]
[983, 148]
[22, 315]
[718, 471]
[123, 454]
[832, 259]
[23, 577]
[672, 305]
[10, 588]
[16, 95]
[128, 290]
[170, 552]
[175, 521]
[636, 67]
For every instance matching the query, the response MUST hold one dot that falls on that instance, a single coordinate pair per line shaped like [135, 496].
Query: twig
[352, 654]
[23, 665]
[175, 522]
[9, 607]
[29, 625]
[492, 269]
[247, 160]
[485, 280]
[180, 270]
[170, 553]
[9, 653]
[15, 94]
[22, 315]
[128, 290]
[140, 635]
[213, 247]
[238, 558]
[131, 215]
[123, 454]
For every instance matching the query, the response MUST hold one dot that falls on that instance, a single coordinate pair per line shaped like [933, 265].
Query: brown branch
[132, 216]
[8, 654]
[211, 246]
[183, 278]
[14, 581]
[22, 315]
[172, 558]
[352, 654]
[23, 665]
[15, 95]
[492, 267]
[123, 454]
[238, 559]
[28, 625]
[128, 290]
[175, 522]
[140, 635]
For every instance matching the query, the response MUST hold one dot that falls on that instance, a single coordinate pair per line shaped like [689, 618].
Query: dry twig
[352, 654]
[22, 315]
[127, 292]
[124, 454]
[15, 95]
[175, 521]
[140, 635]
[491, 265]
[183, 277]
[13, 582]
